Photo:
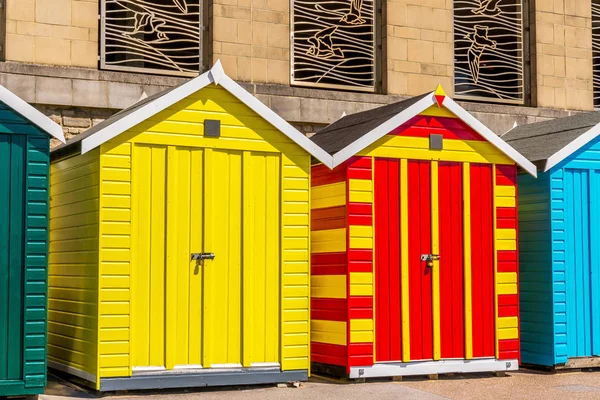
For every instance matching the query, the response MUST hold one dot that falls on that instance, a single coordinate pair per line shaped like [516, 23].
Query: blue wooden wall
[559, 243]
[535, 263]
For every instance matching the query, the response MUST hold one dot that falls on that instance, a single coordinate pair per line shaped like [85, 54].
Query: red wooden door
[388, 332]
[451, 264]
[451, 230]
[482, 260]
[420, 274]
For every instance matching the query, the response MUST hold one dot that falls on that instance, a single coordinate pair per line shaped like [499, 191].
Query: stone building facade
[51, 59]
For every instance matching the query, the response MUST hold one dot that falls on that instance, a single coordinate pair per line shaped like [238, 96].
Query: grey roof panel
[539, 141]
[350, 128]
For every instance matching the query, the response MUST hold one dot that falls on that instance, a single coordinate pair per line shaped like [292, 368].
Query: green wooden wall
[24, 170]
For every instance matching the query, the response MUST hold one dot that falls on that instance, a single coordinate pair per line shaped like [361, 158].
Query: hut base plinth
[173, 380]
[433, 368]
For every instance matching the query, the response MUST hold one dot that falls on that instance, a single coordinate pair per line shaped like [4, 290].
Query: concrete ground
[518, 385]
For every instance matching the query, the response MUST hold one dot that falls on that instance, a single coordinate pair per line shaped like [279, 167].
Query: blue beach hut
[559, 241]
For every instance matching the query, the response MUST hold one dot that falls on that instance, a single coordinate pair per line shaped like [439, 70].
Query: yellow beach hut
[179, 243]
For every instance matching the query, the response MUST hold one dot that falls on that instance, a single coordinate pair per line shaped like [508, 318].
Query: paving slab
[518, 385]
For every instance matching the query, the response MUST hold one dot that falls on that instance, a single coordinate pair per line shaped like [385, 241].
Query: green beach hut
[24, 168]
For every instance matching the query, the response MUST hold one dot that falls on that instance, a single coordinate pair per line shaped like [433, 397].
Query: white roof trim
[217, 76]
[31, 114]
[572, 147]
[490, 136]
[275, 120]
[360, 144]
[419, 107]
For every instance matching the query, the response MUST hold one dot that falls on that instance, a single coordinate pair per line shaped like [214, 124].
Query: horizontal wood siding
[295, 262]
[329, 266]
[36, 260]
[115, 257]
[535, 260]
[73, 262]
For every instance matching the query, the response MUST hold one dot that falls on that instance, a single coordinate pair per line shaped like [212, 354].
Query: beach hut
[179, 244]
[414, 255]
[559, 241]
[24, 167]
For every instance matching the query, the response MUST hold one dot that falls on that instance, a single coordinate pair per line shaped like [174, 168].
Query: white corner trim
[490, 136]
[359, 145]
[31, 114]
[274, 119]
[73, 371]
[572, 147]
[381, 370]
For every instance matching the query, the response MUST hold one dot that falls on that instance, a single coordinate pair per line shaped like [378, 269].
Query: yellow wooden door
[223, 312]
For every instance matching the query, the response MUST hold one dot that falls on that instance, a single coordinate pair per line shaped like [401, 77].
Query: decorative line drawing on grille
[479, 42]
[322, 45]
[353, 17]
[333, 44]
[155, 36]
[488, 50]
[488, 7]
[596, 49]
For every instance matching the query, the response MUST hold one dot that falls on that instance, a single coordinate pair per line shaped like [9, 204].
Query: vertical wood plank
[197, 229]
[467, 260]
[157, 257]
[208, 247]
[248, 255]
[595, 258]
[5, 145]
[15, 287]
[435, 249]
[405, 260]
[172, 176]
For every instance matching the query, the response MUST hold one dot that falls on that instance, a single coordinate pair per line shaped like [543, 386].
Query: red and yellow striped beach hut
[413, 243]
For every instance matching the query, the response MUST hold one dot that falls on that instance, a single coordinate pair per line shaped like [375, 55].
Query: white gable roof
[217, 76]
[417, 108]
[31, 114]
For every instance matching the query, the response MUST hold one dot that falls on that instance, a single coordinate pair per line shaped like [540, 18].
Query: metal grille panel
[596, 49]
[333, 44]
[488, 50]
[152, 36]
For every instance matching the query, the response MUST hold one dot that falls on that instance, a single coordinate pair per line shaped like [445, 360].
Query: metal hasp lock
[430, 258]
[200, 257]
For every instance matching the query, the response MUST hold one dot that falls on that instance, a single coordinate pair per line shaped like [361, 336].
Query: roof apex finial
[217, 72]
[440, 95]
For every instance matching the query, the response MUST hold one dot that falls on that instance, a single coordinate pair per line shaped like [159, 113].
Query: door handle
[203, 256]
[430, 258]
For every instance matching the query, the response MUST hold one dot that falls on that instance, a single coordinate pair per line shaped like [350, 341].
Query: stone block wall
[55, 32]
[563, 52]
[419, 49]
[252, 39]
